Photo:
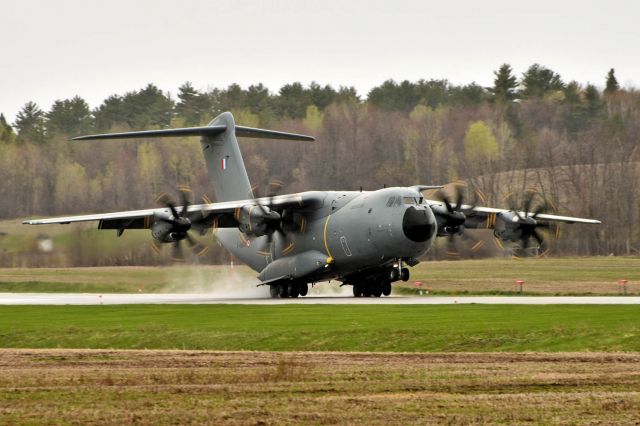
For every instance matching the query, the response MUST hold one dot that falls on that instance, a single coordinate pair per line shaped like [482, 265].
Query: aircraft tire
[283, 290]
[357, 290]
[274, 291]
[377, 290]
[386, 288]
[404, 274]
[366, 291]
[293, 290]
[303, 289]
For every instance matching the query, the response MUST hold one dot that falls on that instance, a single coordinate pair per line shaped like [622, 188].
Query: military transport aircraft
[362, 238]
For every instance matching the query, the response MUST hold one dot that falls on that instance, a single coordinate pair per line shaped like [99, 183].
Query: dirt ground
[183, 387]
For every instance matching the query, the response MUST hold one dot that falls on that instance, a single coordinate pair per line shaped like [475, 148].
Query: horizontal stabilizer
[241, 131]
[163, 133]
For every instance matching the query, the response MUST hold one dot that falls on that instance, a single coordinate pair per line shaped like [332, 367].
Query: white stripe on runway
[145, 298]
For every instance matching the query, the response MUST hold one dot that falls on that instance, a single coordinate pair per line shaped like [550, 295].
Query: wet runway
[145, 298]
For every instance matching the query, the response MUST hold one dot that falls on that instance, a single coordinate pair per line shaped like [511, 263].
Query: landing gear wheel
[283, 291]
[366, 291]
[404, 274]
[274, 291]
[394, 274]
[377, 290]
[386, 288]
[293, 290]
[357, 290]
[303, 289]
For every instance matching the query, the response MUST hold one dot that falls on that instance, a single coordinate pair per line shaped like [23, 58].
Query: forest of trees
[575, 143]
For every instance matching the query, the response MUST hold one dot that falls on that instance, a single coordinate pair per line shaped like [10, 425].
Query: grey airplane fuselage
[355, 231]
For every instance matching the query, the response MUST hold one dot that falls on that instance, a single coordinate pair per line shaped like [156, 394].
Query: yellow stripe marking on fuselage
[326, 246]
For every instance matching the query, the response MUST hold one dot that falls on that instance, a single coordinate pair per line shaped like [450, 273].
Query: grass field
[184, 387]
[398, 328]
[548, 276]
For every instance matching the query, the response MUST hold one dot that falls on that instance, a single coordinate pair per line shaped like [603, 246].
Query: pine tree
[612, 82]
[6, 131]
[505, 84]
[30, 124]
[537, 81]
[192, 105]
[69, 117]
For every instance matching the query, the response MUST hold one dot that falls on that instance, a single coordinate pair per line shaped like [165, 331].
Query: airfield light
[520, 283]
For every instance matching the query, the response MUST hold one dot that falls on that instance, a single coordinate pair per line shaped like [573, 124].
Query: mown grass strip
[415, 328]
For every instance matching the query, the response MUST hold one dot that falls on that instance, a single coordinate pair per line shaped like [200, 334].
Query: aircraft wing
[484, 217]
[223, 214]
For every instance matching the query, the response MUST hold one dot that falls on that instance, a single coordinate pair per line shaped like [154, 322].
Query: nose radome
[417, 225]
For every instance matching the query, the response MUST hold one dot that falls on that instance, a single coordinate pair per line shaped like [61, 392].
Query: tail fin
[224, 162]
[221, 151]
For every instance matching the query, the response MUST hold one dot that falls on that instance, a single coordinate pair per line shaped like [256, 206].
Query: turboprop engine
[257, 220]
[169, 229]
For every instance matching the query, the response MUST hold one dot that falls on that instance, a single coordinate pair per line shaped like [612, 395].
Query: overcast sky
[57, 49]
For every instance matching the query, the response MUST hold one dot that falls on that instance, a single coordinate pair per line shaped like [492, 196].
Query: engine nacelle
[255, 220]
[449, 223]
[167, 229]
[511, 227]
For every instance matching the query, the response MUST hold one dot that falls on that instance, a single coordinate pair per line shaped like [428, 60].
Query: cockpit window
[414, 201]
[391, 201]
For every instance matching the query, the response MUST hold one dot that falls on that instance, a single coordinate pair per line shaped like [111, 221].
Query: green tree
[612, 83]
[431, 93]
[30, 124]
[7, 134]
[390, 96]
[293, 100]
[149, 107]
[320, 96]
[593, 107]
[480, 145]
[537, 81]
[192, 106]
[573, 106]
[504, 84]
[347, 94]
[69, 117]
[260, 102]
[110, 113]
[468, 95]
[233, 97]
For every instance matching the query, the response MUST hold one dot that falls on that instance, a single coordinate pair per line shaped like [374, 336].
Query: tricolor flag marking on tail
[223, 162]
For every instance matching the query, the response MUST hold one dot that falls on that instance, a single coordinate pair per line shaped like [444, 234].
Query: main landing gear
[381, 284]
[374, 288]
[288, 289]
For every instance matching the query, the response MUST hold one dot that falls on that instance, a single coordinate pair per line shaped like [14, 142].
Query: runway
[208, 299]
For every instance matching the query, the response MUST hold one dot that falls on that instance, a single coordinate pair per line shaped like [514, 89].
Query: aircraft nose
[418, 225]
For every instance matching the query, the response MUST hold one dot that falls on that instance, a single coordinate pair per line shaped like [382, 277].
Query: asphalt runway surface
[208, 299]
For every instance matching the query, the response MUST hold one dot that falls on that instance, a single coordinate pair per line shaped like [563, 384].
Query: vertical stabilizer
[224, 162]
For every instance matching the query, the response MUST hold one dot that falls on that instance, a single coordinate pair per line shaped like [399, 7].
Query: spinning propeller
[451, 219]
[521, 225]
[282, 224]
[175, 228]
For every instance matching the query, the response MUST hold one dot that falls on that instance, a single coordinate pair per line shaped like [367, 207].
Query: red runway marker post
[623, 286]
[520, 283]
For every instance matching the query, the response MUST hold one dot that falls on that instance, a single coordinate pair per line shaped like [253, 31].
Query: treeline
[577, 144]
